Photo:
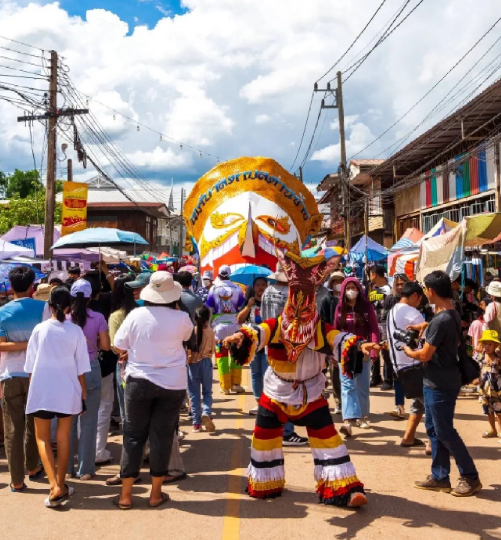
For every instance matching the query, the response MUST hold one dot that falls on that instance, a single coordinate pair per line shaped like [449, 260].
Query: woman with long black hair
[95, 328]
[57, 361]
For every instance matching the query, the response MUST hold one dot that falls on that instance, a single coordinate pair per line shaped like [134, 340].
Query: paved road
[211, 504]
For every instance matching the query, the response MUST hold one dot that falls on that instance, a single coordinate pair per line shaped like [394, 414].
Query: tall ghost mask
[300, 315]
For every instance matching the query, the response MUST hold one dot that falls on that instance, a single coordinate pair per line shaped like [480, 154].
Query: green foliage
[28, 211]
[23, 184]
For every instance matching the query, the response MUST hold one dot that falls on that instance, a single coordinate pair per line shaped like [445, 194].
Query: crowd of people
[80, 357]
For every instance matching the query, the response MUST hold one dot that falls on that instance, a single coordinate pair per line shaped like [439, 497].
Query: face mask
[351, 294]
[337, 287]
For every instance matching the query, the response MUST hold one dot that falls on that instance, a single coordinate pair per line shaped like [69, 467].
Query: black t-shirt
[377, 297]
[442, 371]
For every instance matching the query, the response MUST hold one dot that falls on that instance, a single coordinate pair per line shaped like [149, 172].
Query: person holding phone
[56, 360]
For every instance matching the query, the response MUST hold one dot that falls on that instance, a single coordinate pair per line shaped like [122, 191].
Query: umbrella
[247, 274]
[5, 269]
[189, 268]
[8, 250]
[100, 236]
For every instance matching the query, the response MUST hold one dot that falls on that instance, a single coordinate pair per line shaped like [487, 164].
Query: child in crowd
[200, 372]
[477, 327]
[490, 382]
[56, 360]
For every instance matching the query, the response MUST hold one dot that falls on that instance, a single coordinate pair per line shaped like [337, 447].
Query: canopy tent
[442, 227]
[8, 250]
[482, 229]
[413, 234]
[403, 263]
[31, 236]
[375, 251]
[408, 241]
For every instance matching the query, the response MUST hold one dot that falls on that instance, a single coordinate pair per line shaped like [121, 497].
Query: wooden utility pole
[50, 191]
[343, 171]
[497, 193]
[70, 170]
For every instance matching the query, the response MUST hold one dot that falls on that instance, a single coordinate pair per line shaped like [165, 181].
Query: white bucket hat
[162, 289]
[494, 289]
[279, 275]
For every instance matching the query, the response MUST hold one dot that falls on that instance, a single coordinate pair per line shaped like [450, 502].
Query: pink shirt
[475, 332]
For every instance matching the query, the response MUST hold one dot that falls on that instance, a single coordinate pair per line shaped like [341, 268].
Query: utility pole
[343, 172]
[52, 114]
[50, 191]
[70, 170]
[301, 174]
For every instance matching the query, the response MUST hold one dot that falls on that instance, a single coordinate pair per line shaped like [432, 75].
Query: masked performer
[293, 387]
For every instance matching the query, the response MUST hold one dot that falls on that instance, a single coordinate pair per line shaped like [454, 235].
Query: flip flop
[117, 481]
[116, 502]
[18, 490]
[39, 474]
[54, 503]
[176, 478]
[417, 442]
[165, 498]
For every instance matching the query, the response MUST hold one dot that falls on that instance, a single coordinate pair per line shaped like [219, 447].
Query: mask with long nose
[300, 315]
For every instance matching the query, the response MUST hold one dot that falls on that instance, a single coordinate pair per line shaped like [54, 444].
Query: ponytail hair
[202, 317]
[59, 301]
[79, 309]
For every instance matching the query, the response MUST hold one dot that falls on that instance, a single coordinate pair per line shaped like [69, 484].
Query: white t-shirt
[404, 316]
[154, 337]
[56, 355]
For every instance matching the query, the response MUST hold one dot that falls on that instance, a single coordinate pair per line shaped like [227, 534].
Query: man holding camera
[400, 317]
[441, 385]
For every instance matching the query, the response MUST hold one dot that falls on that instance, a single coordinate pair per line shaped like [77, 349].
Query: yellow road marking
[231, 524]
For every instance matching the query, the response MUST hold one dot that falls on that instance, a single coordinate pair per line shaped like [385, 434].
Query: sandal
[170, 479]
[54, 503]
[489, 434]
[18, 490]
[117, 481]
[116, 502]
[417, 442]
[39, 474]
[165, 498]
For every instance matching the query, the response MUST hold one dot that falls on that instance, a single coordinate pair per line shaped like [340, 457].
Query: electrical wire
[21, 43]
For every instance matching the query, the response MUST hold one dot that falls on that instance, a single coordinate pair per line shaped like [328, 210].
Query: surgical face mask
[337, 287]
[351, 294]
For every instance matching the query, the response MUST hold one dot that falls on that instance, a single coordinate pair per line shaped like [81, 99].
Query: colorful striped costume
[294, 391]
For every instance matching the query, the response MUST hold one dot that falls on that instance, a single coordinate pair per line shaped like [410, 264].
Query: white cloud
[262, 119]
[235, 78]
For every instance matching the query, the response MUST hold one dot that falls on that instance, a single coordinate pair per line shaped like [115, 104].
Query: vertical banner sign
[74, 207]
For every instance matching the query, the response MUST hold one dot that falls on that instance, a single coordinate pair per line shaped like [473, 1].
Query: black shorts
[48, 415]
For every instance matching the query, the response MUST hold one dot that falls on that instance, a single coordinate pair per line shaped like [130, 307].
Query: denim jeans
[355, 393]
[200, 378]
[150, 412]
[258, 368]
[84, 427]
[445, 440]
[399, 393]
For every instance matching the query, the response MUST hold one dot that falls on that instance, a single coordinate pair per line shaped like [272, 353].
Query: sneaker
[346, 430]
[294, 440]
[386, 386]
[398, 412]
[225, 392]
[363, 423]
[434, 485]
[253, 411]
[466, 487]
[237, 389]
[208, 423]
[197, 428]
[180, 435]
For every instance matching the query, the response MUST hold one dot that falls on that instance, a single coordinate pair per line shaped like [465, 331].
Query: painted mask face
[243, 209]
[300, 315]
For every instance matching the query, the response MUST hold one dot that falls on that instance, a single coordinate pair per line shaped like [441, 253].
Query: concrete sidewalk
[211, 503]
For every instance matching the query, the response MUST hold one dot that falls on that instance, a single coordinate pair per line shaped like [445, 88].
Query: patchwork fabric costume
[225, 299]
[297, 343]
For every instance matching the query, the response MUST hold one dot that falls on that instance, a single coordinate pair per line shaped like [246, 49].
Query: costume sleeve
[256, 337]
[344, 348]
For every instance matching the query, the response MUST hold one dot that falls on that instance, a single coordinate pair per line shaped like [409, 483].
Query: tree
[23, 184]
[4, 180]
[28, 211]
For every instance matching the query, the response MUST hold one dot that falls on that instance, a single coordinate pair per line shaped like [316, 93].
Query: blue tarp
[375, 251]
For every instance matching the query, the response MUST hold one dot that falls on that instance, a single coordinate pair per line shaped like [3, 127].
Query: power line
[21, 43]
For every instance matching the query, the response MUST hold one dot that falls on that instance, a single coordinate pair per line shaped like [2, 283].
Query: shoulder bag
[410, 377]
[470, 370]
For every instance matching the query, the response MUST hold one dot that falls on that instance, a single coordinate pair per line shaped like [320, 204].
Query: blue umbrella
[100, 236]
[5, 269]
[247, 274]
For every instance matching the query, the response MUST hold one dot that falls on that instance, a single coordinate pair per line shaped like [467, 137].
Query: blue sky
[133, 12]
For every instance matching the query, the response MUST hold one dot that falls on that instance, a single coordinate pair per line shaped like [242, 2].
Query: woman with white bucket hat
[492, 316]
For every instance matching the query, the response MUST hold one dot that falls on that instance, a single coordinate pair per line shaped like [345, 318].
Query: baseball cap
[224, 270]
[141, 281]
[208, 275]
[81, 286]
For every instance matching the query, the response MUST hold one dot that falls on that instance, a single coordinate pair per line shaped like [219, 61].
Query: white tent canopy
[8, 250]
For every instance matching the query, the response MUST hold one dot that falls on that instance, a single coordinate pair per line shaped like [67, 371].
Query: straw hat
[490, 335]
[279, 275]
[43, 292]
[162, 289]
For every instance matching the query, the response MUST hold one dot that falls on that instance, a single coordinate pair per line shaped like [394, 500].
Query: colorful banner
[74, 207]
[29, 243]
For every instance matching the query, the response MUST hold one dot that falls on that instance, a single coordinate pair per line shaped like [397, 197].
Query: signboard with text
[74, 207]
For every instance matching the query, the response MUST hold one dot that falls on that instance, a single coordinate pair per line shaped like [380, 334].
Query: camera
[408, 337]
